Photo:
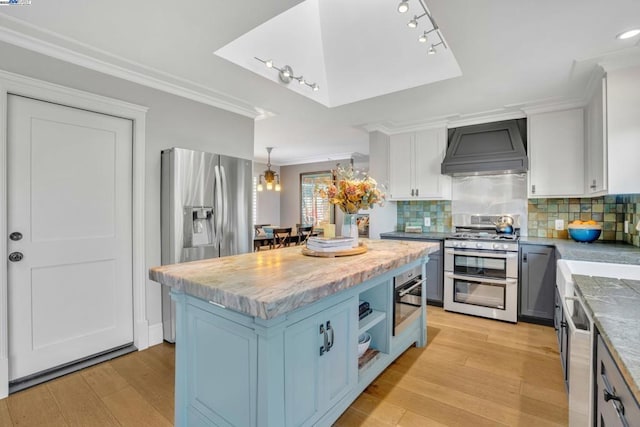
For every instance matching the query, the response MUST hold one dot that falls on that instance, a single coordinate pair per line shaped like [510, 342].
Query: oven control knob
[463, 244]
[456, 244]
[496, 246]
[505, 246]
[478, 245]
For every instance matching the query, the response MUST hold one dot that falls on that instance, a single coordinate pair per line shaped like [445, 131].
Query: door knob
[15, 256]
[15, 236]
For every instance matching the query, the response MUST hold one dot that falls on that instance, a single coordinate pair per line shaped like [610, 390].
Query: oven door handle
[482, 254]
[483, 280]
[412, 287]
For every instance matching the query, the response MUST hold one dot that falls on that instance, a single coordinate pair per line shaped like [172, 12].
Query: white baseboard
[155, 334]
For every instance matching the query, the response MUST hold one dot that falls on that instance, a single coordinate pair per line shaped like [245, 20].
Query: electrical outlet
[427, 222]
[626, 226]
[559, 224]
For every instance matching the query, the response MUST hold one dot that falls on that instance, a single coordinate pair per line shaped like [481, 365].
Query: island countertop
[268, 284]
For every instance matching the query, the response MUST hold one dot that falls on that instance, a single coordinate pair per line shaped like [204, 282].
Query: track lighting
[413, 23]
[286, 75]
[403, 6]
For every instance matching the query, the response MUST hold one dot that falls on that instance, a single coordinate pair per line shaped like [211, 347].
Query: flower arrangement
[353, 191]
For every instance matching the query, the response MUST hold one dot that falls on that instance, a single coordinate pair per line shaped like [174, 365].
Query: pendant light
[271, 179]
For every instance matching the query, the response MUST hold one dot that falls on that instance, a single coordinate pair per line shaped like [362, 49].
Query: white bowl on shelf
[364, 340]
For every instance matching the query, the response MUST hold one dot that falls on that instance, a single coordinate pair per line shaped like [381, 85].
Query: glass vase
[350, 228]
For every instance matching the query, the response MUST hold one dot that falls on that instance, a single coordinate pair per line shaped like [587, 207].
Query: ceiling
[512, 54]
[353, 50]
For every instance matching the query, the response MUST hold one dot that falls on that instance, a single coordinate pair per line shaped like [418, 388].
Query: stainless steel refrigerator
[206, 212]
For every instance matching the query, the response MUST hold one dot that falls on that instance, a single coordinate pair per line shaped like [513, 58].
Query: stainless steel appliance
[206, 212]
[481, 270]
[407, 298]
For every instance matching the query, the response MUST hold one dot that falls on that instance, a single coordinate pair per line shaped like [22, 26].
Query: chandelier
[269, 177]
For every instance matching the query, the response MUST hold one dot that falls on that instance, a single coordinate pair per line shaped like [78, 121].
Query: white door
[69, 195]
[401, 165]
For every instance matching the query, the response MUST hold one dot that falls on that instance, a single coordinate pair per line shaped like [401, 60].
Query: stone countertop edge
[268, 284]
[615, 253]
[614, 306]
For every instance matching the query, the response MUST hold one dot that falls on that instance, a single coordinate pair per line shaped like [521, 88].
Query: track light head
[268, 63]
[315, 87]
[403, 6]
[431, 51]
[413, 23]
[423, 38]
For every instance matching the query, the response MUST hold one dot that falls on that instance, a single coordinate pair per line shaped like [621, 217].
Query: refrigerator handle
[225, 199]
[218, 204]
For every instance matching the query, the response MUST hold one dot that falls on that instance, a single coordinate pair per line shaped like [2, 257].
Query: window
[315, 208]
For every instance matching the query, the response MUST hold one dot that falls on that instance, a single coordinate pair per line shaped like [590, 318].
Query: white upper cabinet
[556, 154]
[596, 142]
[621, 120]
[414, 166]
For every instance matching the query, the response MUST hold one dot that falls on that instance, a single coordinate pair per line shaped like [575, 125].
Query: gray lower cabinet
[615, 404]
[537, 283]
[435, 272]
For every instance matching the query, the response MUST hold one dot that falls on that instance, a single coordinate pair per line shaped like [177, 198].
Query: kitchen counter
[614, 306]
[268, 284]
[417, 236]
[617, 253]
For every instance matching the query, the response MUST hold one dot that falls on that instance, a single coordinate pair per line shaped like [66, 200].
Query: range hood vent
[487, 149]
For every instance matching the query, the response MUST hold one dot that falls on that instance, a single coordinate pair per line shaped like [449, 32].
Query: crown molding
[147, 76]
[317, 159]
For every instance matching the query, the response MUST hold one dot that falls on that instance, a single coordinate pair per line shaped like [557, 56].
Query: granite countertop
[268, 284]
[417, 236]
[617, 253]
[614, 306]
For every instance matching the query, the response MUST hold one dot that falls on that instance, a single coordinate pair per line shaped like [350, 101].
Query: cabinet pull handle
[329, 343]
[412, 192]
[615, 400]
[593, 185]
[323, 348]
[417, 192]
[533, 189]
[524, 257]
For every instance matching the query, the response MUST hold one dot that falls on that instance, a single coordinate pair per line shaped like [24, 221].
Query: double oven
[481, 276]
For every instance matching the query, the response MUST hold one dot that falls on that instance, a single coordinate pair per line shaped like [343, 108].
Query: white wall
[267, 202]
[290, 197]
[381, 219]
[171, 121]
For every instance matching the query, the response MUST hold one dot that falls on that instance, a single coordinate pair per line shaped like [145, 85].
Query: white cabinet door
[69, 195]
[556, 154]
[401, 160]
[596, 142]
[430, 147]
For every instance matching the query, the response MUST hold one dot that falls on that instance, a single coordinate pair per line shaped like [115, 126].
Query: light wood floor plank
[79, 405]
[21, 408]
[380, 410]
[104, 380]
[157, 388]
[131, 409]
[411, 419]
[354, 418]
[5, 418]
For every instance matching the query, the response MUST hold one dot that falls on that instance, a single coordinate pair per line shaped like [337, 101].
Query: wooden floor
[474, 372]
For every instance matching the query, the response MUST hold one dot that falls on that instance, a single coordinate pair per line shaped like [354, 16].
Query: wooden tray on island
[362, 248]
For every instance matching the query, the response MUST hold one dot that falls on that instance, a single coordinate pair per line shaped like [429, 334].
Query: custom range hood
[487, 149]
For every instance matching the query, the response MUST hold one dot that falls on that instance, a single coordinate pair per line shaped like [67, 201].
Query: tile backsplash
[413, 213]
[609, 211]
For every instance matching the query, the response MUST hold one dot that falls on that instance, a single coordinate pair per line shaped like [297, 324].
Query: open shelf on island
[367, 359]
[370, 320]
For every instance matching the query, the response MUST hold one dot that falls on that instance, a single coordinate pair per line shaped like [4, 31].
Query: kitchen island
[270, 338]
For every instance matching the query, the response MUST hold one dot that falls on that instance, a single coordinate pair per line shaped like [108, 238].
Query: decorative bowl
[364, 340]
[584, 234]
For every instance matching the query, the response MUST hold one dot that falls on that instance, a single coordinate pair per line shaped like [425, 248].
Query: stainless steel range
[481, 269]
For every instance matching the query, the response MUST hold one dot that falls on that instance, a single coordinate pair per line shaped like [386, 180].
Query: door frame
[15, 84]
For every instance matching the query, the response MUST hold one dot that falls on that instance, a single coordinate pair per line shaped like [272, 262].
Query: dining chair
[281, 237]
[304, 231]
